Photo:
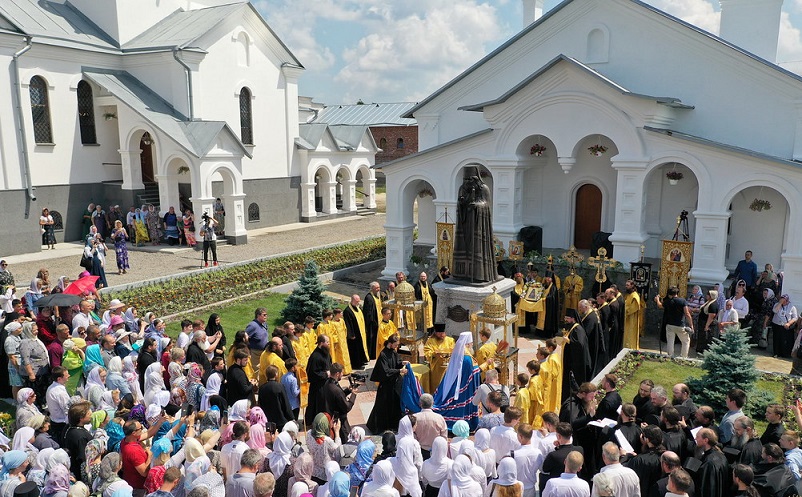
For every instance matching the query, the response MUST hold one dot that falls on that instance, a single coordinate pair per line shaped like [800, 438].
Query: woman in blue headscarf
[92, 358]
[339, 485]
[115, 432]
[358, 470]
[15, 462]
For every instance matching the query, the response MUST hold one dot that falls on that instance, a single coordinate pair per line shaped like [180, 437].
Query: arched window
[86, 114]
[383, 143]
[245, 116]
[399, 143]
[253, 212]
[58, 222]
[40, 110]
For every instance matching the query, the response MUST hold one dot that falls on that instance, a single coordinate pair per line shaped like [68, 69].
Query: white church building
[179, 101]
[657, 95]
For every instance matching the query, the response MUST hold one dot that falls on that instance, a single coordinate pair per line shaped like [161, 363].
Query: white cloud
[417, 50]
[697, 12]
[789, 49]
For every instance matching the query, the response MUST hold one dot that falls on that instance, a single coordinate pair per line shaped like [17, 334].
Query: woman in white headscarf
[408, 460]
[331, 469]
[212, 388]
[132, 377]
[477, 461]
[38, 472]
[115, 379]
[95, 385]
[23, 440]
[507, 477]
[298, 489]
[460, 483]
[481, 440]
[435, 469]
[26, 409]
[279, 459]
[382, 483]
[154, 382]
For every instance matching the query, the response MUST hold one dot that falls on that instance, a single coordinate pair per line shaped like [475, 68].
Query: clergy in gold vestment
[340, 347]
[572, 288]
[536, 392]
[387, 329]
[355, 326]
[632, 319]
[271, 357]
[522, 401]
[485, 356]
[553, 367]
[336, 334]
[435, 346]
[425, 293]
[299, 346]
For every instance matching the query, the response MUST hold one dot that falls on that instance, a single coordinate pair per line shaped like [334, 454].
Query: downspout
[21, 127]
[188, 72]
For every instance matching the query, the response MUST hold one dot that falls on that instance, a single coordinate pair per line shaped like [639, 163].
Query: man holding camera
[335, 400]
[209, 238]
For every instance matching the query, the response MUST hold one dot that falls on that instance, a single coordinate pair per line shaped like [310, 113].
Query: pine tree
[729, 364]
[308, 299]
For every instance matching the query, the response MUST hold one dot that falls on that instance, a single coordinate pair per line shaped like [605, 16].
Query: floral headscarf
[257, 415]
[94, 449]
[195, 373]
[23, 395]
[58, 480]
[211, 421]
[303, 467]
[320, 428]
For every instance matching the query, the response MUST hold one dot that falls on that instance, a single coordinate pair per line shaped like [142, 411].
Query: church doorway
[754, 227]
[146, 158]
[587, 215]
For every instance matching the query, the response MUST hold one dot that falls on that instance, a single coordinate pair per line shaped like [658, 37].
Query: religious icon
[675, 265]
[498, 249]
[516, 250]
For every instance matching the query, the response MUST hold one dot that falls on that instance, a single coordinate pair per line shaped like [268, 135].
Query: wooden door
[587, 215]
[146, 159]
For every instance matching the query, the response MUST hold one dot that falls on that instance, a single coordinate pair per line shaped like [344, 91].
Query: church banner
[675, 263]
[445, 245]
[641, 274]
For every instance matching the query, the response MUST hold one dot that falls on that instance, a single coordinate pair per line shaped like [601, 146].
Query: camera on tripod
[356, 379]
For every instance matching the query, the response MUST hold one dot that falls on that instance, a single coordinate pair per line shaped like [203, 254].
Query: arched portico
[139, 142]
[232, 196]
[346, 190]
[366, 181]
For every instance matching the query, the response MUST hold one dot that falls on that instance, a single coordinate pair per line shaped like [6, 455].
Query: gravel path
[154, 262]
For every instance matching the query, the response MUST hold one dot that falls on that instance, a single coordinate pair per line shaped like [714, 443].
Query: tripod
[682, 228]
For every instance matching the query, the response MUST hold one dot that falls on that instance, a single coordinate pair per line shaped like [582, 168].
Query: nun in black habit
[576, 358]
[388, 371]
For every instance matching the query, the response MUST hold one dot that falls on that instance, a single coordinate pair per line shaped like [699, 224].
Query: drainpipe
[21, 127]
[188, 72]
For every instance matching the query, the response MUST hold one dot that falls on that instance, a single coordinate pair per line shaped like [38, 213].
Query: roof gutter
[26, 163]
[188, 72]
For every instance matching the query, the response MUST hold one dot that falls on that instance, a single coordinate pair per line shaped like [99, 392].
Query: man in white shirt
[546, 442]
[740, 304]
[625, 481]
[528, 460]
[58, 402]
[82, 319]
[569, 484]
[504, 439]
[231, 453]
[241, 483]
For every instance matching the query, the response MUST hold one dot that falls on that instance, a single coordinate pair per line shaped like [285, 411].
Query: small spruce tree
[308, 299]
[729, 364]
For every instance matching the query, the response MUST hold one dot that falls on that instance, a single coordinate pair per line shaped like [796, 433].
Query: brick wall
[392, 134]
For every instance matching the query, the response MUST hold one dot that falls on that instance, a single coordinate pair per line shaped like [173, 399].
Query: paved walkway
[151, 262]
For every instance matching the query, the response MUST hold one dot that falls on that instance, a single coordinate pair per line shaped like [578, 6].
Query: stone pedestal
[456, 302]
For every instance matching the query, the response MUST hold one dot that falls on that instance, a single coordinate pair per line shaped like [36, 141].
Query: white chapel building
[658, 95]
[178, 101]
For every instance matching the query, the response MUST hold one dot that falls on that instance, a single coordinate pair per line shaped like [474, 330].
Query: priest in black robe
[713, 478]
[576, 358]
[615, 328]
[355, 333]
[772, 476]
[551, 298]
[647, 463]
[630, 429]
[317, 370]
[371, 310]
[596, 346]
[388, 371]
[578, 410]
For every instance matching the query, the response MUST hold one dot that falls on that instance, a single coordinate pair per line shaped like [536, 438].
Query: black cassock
[573, 411]
[596, 346]
[356, 349]
[647, 466]
[317, 370]
[386, 412]
[614, 328]
[772, 478]
[371, 323]
[714, 476]
[576, 361]
[553, 318]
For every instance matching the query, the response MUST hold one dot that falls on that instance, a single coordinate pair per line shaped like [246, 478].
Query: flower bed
[195, 290]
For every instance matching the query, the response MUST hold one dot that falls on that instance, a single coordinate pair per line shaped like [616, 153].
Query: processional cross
[573, 257]
[601, 263]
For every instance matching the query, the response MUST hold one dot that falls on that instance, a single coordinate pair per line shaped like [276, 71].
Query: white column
[508, 178]
[328, 190]
[369, 187]
[792, 272]
[399, 248]
[629, 234]
[235, 218]
[132, 169]
[201, 205]
[308, 201]
[168, 193]
[349, 195]
[710, 247]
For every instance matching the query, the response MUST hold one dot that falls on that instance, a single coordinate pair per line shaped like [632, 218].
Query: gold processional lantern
[408, 317]
[494, 312]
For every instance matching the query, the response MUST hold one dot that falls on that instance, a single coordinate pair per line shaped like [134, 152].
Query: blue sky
[396, 50]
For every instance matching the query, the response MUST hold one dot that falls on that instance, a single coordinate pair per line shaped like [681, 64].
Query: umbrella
[58, 300]
[82, 285]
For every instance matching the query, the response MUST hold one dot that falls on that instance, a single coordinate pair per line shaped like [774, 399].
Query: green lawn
[669, 374]
[236, 316]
